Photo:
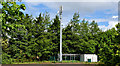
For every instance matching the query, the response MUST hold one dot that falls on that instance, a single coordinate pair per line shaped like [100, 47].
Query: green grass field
[51, 62]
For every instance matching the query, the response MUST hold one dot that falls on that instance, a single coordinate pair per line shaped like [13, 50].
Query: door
[89, 60]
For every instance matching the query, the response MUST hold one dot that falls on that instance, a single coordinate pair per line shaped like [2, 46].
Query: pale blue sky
[104, 13]
[101, 12]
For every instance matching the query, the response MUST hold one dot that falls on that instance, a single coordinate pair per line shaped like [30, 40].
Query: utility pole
[60, 12]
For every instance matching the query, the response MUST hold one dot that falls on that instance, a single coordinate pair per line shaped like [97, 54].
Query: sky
[104, 12]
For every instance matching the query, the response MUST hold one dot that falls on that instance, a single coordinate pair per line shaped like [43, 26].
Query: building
[88, 57]
[80, 57]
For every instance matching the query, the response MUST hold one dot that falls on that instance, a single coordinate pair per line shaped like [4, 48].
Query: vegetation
[25, 39]
[57, 62]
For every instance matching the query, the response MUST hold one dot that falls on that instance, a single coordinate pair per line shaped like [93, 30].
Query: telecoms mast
[60, 12]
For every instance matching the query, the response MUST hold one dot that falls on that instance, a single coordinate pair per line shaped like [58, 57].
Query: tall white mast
[60, 12]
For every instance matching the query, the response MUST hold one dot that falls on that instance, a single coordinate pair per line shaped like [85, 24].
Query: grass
[51, 62]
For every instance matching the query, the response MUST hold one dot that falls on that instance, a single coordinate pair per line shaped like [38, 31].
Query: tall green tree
[12, 28]
[70, 35]
[55, 35]
[41, 37]
[108, 48]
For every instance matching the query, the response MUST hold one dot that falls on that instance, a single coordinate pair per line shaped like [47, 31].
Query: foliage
[25, 38]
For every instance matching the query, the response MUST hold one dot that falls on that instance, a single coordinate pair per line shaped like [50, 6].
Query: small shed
[88, 57]
[80, 57]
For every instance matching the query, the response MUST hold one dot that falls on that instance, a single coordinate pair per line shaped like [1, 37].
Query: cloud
[31, 3]
[103, 27]
[84, 8]
[0, 6]
[114, 17]
[71, 0]
[98, 20]
[111, 25]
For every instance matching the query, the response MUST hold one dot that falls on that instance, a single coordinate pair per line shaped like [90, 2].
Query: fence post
[54, 59]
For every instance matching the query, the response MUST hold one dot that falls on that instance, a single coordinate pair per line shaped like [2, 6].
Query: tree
[38, 39]
[12, 28]
[108, 52]
[55, 36]
[70, 36]
[41, 37]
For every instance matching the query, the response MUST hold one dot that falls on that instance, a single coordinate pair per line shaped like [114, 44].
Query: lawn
[57, 62]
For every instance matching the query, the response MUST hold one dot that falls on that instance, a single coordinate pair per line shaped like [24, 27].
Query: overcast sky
[104, 12]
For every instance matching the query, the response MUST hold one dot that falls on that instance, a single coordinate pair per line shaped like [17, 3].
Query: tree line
[29, 39]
